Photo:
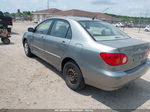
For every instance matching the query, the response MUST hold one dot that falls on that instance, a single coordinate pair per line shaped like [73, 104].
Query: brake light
[147, 53]
[114, 59]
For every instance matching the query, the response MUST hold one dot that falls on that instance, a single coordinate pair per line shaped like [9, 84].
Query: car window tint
[69, 34]
[103, 31]
[44, 27]
[60, 29]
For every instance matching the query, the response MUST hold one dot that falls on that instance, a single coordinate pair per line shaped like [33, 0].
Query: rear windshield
[103, 31]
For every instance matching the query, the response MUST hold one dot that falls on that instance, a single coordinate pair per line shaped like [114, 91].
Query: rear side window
[44, 27]
[60, 29]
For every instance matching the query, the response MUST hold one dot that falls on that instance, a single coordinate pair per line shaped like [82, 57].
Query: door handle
[63, 42]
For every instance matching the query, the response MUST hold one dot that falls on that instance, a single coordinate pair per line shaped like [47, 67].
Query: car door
[57, 42]
[38, 37]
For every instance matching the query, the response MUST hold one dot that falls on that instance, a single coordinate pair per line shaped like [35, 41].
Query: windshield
[103, 31]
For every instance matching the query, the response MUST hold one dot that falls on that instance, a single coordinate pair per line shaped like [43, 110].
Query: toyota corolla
[88, 51]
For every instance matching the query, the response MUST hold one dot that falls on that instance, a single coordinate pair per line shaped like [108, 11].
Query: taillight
[147, 53]
[114, 59]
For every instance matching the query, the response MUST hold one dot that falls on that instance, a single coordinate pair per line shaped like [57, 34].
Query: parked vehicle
[5, 21]
[4, 35]
[88, 52]
[119, 25]
[147, 28]
[129, 24]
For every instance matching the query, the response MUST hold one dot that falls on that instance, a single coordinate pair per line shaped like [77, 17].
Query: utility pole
[140, 22]
[47, 4]
[101, 12]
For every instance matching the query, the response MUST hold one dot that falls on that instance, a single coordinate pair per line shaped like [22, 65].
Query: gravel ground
[31, 83]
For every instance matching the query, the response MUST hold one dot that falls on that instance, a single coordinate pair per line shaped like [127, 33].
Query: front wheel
[73, 76]
[5, 40]
[27, 49]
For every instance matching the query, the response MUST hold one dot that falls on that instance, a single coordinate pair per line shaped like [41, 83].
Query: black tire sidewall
[6, 40]
[80, 82]
[29, 54]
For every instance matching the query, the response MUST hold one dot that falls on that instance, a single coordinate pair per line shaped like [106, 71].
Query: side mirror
[31, 29]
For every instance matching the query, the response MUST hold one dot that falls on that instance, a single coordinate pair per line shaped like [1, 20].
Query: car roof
[73, 18]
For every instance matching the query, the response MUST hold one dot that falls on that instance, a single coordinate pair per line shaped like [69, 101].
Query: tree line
[23, 14]
[129, 18]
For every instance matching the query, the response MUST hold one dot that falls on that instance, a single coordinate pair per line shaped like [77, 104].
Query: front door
[38, 37]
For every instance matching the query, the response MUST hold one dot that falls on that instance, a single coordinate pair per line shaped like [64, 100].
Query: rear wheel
[5, 40]
[73, 76]
[27, 49]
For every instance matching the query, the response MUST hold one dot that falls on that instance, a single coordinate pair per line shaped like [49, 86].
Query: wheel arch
[67, 59]
[82, 83]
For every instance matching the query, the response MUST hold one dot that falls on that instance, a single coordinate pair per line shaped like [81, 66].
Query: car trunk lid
[136, 50]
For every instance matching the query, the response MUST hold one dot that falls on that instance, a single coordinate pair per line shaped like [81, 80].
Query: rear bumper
[108, 80]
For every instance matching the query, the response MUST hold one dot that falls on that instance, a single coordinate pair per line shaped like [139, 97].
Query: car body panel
[109, 80]
[58, 49]
[38, 44]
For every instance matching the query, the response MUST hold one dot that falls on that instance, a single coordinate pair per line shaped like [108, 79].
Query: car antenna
[94, 18]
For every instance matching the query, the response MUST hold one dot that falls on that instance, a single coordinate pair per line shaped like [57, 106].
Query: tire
[146, 30]
[73, 76]
[9, 30]
[5, 40]
[27, 49]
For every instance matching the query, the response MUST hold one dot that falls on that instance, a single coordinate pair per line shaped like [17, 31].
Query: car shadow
[2, 44]
[47, 65]
[132, 96]
[14, 33]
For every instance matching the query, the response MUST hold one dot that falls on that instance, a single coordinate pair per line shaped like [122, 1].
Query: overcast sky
[121, 7]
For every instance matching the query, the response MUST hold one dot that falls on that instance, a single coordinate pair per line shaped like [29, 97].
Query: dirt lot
[32, 83]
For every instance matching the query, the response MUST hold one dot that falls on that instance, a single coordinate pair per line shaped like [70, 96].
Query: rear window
[103, 31]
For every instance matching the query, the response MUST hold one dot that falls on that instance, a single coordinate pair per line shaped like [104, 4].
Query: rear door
[38, 37]
[57, 41]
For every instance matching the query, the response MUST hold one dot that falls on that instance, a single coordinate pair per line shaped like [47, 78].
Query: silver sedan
[88, 52]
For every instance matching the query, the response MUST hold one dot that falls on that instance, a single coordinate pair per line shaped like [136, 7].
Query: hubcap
[72, 76]
[6, 41]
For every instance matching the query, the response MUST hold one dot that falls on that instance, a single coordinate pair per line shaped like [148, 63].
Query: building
[80, 13]
[43, 14]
